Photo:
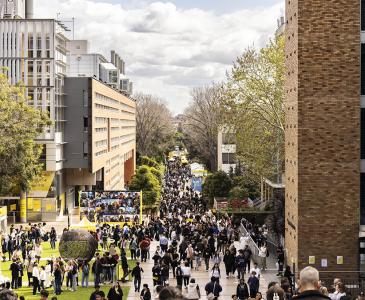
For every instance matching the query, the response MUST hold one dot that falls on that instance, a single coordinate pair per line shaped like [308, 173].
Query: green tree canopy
[20, 125]
[217, 184]
[254, 108]
[147, 180]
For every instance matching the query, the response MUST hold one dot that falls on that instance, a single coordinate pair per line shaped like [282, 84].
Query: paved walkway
[202, 277]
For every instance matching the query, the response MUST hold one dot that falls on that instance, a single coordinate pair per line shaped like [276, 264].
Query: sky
[171, 46]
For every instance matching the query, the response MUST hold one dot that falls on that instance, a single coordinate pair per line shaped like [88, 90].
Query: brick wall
[322, 136]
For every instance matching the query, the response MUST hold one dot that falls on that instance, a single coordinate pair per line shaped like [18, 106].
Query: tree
[254, 107]
[20, 125]
[217, 184]
[154, 128]
[201, 123]
[147, 181]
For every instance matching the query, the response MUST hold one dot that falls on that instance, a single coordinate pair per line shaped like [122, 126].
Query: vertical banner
[23, 207]
[141, 207]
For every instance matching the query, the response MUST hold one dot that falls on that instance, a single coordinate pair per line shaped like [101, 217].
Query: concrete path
[202, 277]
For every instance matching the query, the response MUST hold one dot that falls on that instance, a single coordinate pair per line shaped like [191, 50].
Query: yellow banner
[30, 203]
[23, 208]
[50, 207]
[13, 207]
[37, 205]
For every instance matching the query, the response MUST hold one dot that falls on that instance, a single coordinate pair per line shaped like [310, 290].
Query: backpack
[85, 269]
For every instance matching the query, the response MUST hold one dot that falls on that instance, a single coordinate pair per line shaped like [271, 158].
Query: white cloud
[167, 50]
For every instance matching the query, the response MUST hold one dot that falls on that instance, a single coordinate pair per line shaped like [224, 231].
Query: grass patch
[81, 293]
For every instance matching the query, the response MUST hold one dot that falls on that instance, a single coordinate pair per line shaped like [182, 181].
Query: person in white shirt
[256, 269]
[42, 277]
[186, 272]
[263, 255]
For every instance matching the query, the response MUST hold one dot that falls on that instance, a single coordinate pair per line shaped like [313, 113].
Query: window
[30, 46]
[48, 47]
[30, 97]
[48, 97]
[362, 199]
[86, 124]
[30, 72]
[85, 96]
[228, 158]
[85, 149]
[39, 46]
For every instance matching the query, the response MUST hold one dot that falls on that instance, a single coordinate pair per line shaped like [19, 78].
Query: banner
[111, 206]
[197, 184]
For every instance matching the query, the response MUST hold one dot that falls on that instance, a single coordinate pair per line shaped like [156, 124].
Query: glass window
[228, 158]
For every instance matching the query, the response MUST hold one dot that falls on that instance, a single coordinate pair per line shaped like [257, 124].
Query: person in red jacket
[144, 245]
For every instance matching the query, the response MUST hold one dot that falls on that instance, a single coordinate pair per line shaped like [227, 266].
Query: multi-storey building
[226, 147]
[35, 52]
[322, 138]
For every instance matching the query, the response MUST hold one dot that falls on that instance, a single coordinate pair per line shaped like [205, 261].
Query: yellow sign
[312, 260]
[23, 209]
[37, 205]
[30, 203]
[340, 260]
[13, 207]
[3, 211]
[50, 207]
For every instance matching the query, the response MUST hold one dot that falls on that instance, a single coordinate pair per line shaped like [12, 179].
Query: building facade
[322, 135]
[101, 134]
[226, 146]
[38, 53]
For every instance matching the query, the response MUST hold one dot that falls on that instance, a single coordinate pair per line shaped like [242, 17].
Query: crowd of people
[188, 239]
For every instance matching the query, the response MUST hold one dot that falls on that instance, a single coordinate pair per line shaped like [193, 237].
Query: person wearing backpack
[85, 270]
[179, 276]
[240, 265]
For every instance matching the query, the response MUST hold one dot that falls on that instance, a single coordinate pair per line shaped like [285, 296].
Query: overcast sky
[170, 46]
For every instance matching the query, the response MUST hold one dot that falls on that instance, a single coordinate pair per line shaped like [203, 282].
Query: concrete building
[322, 136]
[226, 147]
[84, 64]
[101, 135]
[35, 51]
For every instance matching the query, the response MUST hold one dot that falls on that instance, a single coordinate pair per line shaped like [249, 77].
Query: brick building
[322, 138]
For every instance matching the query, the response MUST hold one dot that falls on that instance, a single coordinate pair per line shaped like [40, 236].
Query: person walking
[57, 273]
[14, 274]
[254, 284]
[228, 260]
[146, 293]
[193, 292]
[137, 274]
[186, 271]
[85, 270]
[179, 276]
[263, 254]
[242, 290]
[115, 292]
[213, 289]
[35, 276]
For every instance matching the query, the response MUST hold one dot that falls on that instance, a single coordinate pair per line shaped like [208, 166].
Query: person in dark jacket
[137, 274]
[254, 284]
[115, 292]
[179, 276]
[146, 293]
[125, 267]
[14, 268]
[242, 290]
[309, 285]
[213, 287]
[228, 260]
